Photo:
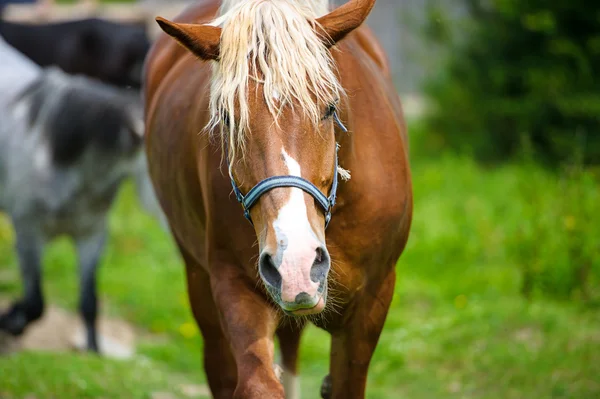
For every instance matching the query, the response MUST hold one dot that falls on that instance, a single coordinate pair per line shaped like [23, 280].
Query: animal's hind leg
[89, 251]
[353, 345]
[219, 364]
[31, 306]
[289, 334]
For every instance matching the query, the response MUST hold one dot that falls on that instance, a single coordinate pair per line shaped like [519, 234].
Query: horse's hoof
[14, 320]
[93, 349]
[85, 342]
[326, 387]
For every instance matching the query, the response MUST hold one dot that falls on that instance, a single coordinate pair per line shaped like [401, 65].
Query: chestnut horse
[253, 106]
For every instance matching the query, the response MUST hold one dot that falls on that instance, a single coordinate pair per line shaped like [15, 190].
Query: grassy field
[458, 327]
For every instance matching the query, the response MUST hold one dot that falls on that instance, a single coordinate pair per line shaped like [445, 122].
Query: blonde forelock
[274, 43]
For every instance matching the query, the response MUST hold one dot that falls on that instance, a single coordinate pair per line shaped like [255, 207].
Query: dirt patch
[60, 331]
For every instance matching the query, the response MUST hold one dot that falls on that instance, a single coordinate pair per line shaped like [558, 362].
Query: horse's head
[273, 101]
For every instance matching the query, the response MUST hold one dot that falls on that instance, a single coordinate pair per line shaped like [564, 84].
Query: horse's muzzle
[297, 281]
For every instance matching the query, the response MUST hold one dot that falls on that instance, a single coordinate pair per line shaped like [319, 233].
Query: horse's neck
[16, 72]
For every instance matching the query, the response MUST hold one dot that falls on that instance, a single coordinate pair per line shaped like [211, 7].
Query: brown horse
[258, 99]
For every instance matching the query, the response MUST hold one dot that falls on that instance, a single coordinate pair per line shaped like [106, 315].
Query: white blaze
[292, 217]
[297, 240]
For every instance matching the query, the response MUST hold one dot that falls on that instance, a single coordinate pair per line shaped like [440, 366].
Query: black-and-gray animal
[66, 144]
[112, 52]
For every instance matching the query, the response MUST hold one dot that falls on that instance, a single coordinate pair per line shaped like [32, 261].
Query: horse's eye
[330, 111]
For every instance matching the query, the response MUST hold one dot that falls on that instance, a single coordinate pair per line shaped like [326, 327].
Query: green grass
[66, 376]
[458, 326]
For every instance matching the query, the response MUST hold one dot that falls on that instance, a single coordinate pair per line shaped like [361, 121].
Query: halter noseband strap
[326, 203]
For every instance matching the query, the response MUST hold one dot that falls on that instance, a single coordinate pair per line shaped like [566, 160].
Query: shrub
[514, 68]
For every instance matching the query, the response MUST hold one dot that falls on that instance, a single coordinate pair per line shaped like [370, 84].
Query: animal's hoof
[92, 348]
[14, 320]
[85, 341]
[326, 387]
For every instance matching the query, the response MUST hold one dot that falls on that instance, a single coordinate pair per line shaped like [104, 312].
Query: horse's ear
[343, 20]
[202, 40]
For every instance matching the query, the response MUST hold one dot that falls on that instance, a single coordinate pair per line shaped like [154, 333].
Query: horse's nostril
[320, 267]
[268, 271]
[303, 298]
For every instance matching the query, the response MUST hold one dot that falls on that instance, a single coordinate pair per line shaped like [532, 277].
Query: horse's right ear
[202, 40]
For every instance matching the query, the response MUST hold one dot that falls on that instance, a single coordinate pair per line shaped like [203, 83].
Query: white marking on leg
[278, 371]
[291, 385]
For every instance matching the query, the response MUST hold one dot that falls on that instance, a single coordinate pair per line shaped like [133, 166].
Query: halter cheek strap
[264, 186]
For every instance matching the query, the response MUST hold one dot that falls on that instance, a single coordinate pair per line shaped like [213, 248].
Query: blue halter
[264, 186]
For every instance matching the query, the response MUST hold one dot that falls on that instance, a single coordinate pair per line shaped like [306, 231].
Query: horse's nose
[297, 279]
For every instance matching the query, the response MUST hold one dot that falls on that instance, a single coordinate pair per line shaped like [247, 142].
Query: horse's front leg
[289, 335]
[352, 346]
[89, 251]
[249, 322]
[29, 248]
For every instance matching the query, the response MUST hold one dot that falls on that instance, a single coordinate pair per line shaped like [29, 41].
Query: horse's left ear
[343, 20]
[202, 40]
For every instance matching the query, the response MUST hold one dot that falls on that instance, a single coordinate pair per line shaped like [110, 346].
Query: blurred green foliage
[517, 68]
[544, 224]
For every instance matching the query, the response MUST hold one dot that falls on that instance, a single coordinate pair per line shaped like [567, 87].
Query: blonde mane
[272, 42]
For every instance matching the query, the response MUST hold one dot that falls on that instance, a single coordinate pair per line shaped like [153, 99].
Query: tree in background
[518, 68]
